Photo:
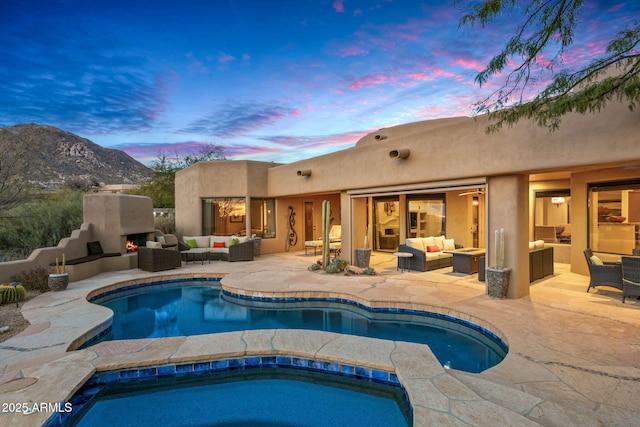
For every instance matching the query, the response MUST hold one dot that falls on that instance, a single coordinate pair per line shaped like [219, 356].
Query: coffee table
[466, 260]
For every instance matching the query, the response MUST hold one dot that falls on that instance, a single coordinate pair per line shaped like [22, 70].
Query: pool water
[260, 397]
[202, 307]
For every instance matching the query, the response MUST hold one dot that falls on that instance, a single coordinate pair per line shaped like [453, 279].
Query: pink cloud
[419, 76]
[225, 58]
[351, 51]
[338, 6]
[470, 64]
[370, 80]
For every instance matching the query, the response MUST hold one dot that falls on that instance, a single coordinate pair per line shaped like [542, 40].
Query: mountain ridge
[61, 157]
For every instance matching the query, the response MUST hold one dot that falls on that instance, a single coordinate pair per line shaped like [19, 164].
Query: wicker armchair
[156, 259]
[240, 252]
[607, 274]
[630, 277]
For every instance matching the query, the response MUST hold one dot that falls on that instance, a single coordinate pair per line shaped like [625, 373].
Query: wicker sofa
[423, 258]
[226, 248]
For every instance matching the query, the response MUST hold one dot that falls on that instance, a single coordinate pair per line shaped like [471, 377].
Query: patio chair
[630, 277]
[603, 273]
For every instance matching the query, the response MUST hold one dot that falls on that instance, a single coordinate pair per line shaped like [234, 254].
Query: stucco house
[575, 188]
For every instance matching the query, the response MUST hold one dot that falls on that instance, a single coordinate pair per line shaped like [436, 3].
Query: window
[263, 218]
[426, 215]
[614, 217]
[552, 216]
[224, 216]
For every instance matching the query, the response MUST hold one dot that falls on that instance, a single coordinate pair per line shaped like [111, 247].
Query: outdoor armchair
[630, 277]
[603, 273]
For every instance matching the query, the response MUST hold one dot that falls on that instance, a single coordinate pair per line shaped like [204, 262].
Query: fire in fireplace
[135, 240]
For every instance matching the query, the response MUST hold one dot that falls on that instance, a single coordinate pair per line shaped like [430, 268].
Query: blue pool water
[258, 397]
[202, 307]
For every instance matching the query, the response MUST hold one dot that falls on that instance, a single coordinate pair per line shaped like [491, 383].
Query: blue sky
[272, 80]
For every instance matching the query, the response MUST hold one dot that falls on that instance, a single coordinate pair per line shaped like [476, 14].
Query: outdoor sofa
[428, 252]
[226, 248]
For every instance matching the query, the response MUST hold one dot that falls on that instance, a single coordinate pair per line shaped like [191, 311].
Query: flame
[131, 247]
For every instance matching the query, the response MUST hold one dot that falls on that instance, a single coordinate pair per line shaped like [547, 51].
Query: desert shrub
[36, 279]
[314, 267]
[369, 271]
[41, 223]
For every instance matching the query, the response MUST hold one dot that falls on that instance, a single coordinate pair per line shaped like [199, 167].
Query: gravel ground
[12, 317]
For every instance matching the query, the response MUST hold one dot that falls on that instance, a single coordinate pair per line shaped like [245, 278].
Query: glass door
[386, 223]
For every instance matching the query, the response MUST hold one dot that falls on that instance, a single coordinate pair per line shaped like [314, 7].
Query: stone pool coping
[430, 390]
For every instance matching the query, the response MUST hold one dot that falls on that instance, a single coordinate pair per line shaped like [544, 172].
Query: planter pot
[58, 282]
[497, 281]
[363, 256]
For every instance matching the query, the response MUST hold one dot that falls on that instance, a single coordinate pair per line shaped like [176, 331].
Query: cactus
[8, 293]
[61, 268]
[325, 233]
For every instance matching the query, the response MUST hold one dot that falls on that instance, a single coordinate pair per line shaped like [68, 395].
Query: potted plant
[498, 276]
[363, 255]
[59, 280]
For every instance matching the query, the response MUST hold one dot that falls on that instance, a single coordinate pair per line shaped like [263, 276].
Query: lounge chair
[335, 236]
[630, 277]
[603, 273]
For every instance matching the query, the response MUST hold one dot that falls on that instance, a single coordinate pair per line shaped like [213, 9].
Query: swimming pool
[196, 307]
[241, 397]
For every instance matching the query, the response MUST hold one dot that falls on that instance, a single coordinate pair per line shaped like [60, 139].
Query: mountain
[62, 157]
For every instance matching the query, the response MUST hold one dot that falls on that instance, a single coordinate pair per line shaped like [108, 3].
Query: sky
[268, 80]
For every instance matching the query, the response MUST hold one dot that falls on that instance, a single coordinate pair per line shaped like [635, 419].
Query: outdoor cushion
[596, 261]
[234, 241]
[152, 244]
[218, 245]
[428, 241]
[449, 245]
[192, 243]
[94, 248]
[439, 241]
[433, 248]
[416, 243]
[160, 239]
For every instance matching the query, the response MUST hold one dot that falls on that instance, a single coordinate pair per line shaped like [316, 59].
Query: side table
[403, 260]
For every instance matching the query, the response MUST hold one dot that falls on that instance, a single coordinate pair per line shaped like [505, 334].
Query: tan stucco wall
[460, 148]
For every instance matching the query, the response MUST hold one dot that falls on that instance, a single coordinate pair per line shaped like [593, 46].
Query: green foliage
[40, 223]
[161, 187]
[369, 271]
[315, 267]
[8, 293]
[35, 279]
[547, 23]
[336, 265]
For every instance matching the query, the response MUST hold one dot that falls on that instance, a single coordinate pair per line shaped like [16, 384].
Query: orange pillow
[218, 244]
[433, 248]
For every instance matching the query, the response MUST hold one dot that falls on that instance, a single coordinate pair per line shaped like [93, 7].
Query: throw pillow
[218, 245]
[192, 243]
[94, 248]
[234, 241]
[433, 248]
[160, 239]
[152, 244]
[449, 245]
[596, 261]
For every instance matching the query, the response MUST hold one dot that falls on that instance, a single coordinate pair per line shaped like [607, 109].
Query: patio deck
[574, 357]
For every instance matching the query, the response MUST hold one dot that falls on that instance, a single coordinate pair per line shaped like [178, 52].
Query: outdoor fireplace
[133, 241]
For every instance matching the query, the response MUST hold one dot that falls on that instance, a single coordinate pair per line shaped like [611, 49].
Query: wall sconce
[380, 137]
[475, 201]
[304, 172]
[557, 201]
[401, 153]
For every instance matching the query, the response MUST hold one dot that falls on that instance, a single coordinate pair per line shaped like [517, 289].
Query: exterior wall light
[304, 172]
[401, 153]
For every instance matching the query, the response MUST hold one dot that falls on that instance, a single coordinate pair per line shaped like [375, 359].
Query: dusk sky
[271, 80]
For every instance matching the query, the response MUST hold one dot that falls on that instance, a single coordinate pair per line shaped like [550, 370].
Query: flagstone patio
[574, 357]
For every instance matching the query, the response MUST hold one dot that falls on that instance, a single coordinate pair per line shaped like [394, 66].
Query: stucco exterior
[448, 155]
